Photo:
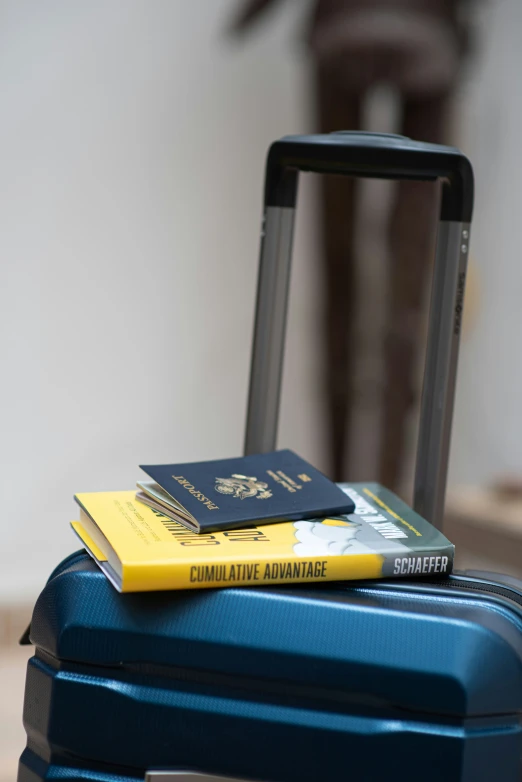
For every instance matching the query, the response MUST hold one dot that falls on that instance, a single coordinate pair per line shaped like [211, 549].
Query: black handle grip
[377, 155]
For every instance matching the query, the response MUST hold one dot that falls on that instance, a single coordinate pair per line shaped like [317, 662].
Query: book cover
[141, 549]
[229, 493]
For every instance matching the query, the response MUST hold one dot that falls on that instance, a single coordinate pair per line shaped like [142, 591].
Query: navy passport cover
[261, 489]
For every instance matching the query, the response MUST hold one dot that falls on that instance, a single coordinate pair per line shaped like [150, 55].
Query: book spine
[250, 572]
[437, 562]
[208, 575]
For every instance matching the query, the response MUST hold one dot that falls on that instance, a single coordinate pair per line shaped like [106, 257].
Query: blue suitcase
[395, 680]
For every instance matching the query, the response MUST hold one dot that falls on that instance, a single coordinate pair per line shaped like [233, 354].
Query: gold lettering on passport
[283, 480]
[195, 493]
[290, 483]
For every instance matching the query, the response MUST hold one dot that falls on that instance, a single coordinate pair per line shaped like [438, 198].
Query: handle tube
[440, 370]
[270, 330]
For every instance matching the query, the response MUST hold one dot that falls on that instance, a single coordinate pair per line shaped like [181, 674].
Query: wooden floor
[13, 662]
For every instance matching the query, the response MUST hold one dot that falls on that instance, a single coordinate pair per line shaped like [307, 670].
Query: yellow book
[140, 549]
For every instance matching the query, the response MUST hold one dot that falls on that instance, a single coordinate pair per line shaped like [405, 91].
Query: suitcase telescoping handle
[381, 156]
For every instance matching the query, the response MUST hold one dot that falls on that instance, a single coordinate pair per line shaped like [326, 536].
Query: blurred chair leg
[337, 111]
[412, 240]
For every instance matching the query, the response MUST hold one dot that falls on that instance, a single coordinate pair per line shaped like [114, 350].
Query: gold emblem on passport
[243, 486]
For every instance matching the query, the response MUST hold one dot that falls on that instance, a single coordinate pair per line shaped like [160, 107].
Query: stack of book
[262, 519]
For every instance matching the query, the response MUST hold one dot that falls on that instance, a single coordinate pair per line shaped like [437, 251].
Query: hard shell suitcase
[393, 680]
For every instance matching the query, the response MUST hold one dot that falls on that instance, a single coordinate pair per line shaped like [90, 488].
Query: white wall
[132, 145]
[133, 137]
[487, 437]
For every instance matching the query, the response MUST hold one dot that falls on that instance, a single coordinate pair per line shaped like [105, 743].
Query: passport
[230, 493]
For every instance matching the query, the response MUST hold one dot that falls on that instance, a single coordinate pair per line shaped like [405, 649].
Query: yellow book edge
[112, 571]
[88, 542]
